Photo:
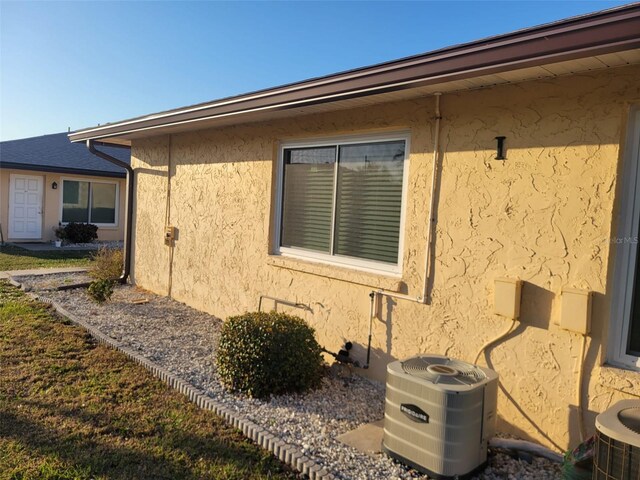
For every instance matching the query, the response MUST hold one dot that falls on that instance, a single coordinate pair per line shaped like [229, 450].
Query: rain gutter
[599, 33]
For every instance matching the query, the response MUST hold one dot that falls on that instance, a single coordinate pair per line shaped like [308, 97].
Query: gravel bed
[183, 340]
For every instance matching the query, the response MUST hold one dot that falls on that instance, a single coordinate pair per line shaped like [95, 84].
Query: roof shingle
[56, 153]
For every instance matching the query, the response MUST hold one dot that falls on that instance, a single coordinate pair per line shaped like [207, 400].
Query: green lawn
[74, 409]
[15, 258]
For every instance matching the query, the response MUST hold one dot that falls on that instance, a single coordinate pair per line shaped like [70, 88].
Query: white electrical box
[575, 314]
[507, 297]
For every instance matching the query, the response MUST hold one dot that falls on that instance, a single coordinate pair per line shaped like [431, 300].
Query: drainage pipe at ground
[126, 269]
[524, 446]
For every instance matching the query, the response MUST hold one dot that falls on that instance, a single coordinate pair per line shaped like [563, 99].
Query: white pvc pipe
[524, 446]
[495, 340]
[398, 295]
[423, 298]
[436, 147]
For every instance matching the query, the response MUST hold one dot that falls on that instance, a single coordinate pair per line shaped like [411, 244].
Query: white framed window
[340, 201]
[87, 201]
[624, 334]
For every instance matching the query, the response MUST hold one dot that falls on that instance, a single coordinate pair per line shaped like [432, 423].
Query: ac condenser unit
[439, 414]
[617, 450]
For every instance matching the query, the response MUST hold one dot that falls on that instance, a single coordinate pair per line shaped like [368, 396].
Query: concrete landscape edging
[285, 452]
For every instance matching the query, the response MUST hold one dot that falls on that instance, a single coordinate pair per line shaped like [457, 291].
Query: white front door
[25, 207]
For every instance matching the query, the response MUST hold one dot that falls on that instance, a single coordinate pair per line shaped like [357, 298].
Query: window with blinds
[344, 200]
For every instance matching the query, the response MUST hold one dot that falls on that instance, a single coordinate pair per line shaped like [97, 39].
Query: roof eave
[596, 34]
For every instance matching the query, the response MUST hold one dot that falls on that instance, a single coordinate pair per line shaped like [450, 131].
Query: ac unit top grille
[621, 422]
[443, 370]
[630, 418]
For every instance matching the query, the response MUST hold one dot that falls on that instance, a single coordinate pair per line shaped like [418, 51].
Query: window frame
[370, 266]
[627, 250]
[91, 182]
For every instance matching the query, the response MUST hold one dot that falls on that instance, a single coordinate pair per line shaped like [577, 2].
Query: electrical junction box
[575, 314]
[507, 297]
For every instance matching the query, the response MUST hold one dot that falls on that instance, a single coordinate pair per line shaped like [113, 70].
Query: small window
[342, 202]
[89, 202]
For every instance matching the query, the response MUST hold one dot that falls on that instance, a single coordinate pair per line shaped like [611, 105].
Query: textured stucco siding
[51, 203]
[544, 215]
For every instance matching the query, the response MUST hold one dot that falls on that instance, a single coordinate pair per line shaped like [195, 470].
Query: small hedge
[101, 290]
[80, 232]
[268, 353]
[107, 264]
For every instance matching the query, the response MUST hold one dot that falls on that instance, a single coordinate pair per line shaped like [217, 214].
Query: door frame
[40, 180]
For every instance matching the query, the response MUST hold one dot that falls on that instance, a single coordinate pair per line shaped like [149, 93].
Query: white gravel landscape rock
[183, 340]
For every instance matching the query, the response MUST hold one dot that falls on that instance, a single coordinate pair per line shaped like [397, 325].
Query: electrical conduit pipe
[421, 299]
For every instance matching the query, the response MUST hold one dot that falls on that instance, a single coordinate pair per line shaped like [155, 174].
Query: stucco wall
[51, 204]
[544, 215]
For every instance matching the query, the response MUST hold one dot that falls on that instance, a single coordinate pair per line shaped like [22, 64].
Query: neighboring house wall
[544, 215]
[52, 202]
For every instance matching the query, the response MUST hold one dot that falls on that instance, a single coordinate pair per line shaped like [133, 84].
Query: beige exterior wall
[544, 215]
[51, 202]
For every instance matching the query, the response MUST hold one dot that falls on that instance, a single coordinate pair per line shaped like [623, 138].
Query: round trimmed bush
[268, 353]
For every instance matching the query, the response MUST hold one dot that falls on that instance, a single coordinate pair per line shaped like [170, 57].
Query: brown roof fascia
[595, 34]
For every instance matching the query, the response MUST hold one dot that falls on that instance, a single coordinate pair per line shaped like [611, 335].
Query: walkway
[39, 271]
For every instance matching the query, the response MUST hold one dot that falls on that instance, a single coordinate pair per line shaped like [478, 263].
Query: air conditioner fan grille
[445, 371]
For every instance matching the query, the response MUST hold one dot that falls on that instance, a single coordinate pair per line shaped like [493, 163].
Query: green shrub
[80, 232]
[107, 264]
[268, 353]
[101, 290]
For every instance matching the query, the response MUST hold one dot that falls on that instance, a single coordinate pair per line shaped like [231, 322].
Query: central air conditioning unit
[617, 449]
[439, 414]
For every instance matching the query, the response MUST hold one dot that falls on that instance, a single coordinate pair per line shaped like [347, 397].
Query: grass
[73, 409]
[16, 258]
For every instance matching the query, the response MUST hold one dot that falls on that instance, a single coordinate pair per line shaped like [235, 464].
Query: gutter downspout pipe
[129, 217]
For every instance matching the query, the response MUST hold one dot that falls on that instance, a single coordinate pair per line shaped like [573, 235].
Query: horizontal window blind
[344, 200]
[308, 198]
[369, 198]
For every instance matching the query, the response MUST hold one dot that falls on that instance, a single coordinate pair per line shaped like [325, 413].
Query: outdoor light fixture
[500, 148]
[54, 185]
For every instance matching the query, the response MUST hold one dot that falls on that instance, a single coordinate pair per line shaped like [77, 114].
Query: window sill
[336, 272]
[620, 379]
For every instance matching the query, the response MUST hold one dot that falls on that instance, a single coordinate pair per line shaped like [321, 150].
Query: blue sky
[78, 64]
